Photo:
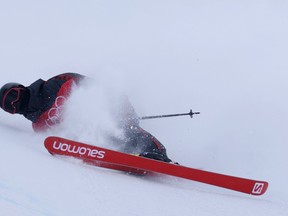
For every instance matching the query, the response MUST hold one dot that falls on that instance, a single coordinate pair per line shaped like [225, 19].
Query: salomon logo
[78, 150]
[258, 187]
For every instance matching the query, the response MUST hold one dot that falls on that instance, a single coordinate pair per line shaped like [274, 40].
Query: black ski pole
[191, 113]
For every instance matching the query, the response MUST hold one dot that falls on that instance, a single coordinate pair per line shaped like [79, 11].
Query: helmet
[10, 97]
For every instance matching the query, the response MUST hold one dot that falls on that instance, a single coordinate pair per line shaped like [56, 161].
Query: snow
[226, 59]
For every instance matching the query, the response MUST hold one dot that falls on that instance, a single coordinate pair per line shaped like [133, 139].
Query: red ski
[129, 163]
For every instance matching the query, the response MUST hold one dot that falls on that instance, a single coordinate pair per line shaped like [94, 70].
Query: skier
[42, 103]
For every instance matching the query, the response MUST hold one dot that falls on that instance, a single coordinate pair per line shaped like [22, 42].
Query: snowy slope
[34, 183]
[227, 60]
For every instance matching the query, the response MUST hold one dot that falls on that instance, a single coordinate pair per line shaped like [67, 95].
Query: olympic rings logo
[54, 115]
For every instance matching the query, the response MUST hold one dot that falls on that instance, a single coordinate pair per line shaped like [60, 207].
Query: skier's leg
[143, 143]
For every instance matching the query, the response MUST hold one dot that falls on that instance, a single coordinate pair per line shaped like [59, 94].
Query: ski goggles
[11, 100]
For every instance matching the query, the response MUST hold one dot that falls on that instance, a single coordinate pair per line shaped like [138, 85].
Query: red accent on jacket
[54, 115]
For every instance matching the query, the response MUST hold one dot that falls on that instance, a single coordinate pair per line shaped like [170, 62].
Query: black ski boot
[156, 156]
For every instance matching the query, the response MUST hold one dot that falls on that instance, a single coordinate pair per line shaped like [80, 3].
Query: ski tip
[259, 188]
[48, 143]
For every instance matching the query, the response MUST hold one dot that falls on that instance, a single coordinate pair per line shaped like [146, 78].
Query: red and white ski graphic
[129, 163]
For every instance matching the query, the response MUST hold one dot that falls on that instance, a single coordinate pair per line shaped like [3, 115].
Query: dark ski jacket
[45, 106]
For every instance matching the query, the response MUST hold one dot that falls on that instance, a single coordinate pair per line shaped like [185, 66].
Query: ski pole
[191, 113]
